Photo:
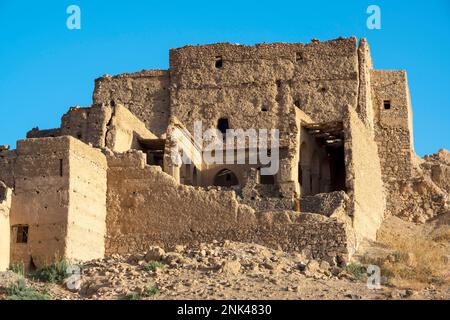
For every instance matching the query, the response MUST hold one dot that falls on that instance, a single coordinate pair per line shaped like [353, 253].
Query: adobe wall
[124, 129]
[147, 207]
[46, 133]
[7, 162]
[40, 200]
[87, 124]
[58, 192]
[365, 106]
[5, 205]
[393, 127]
[261, 86]
[393, 133]
[179, 142]
[321, 76]
[364, 177]
[87, 203]
[145, 94]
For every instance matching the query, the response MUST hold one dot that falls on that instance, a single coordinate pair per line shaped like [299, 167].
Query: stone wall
[58, 190]
[87, 124]
[326, 204]
[365, 105]
[47, 133]
[425, 195]
[147, 207]
[393, 131]
[5, 205]
[7, 163]
[257, 86]
[393, 127]
[145, 94]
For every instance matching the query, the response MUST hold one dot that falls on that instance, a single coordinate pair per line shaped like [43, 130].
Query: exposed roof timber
[328, 130]
[152, 144]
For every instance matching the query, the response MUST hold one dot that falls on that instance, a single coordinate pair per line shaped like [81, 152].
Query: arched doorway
[225, 178]
[223, 125]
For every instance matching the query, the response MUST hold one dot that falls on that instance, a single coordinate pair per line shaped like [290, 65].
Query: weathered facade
[107, 180]
[5, 206]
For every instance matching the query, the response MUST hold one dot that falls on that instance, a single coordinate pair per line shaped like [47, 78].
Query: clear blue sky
[45, 67]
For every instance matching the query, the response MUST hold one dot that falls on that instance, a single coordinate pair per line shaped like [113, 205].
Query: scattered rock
[231, 267]
[155, 254]
[173, 258]
[324, 265]
[312, 266]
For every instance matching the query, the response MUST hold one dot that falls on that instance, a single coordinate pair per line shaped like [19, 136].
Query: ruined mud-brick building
[105, 181]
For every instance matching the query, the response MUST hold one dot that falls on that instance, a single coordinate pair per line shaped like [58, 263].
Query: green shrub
[133, 296]
[20, 291]
[151, 291]
[18, 268]
[55, 273]
[153, 265]
[357, 270]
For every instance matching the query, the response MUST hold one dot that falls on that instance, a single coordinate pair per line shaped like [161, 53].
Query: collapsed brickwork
[425, 194]
[107, 180]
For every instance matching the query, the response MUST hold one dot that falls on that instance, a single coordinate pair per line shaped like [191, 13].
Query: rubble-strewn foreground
[232, 270]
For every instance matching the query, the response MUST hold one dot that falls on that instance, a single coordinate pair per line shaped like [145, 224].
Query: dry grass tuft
[442, 234]
[415, 262]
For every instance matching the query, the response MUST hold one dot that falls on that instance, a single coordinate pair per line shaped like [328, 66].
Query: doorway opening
[322, 159]
[225, 178]
[154, 148]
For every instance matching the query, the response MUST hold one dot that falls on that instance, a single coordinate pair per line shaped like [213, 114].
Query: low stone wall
[325, 204]
[145, 207]
[314, 235]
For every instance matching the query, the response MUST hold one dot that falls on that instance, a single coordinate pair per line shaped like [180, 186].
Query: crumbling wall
[145, 94]
[7, 163]
[180, 144]
[326, 79]
[417, 199]
[425, 195]
[437, 166]
[5, 205]
[262, 197]
[46, 133]
[326, 204]
[261, 87]
[87, 124]
[364, 179]
[124, 130]
[365, 106]
[257, 85]
[147, 207]
[58, 193]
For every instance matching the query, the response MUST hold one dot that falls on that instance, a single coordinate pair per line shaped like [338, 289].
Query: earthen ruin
[104, 182]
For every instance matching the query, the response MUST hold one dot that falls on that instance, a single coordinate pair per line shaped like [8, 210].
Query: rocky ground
[227, 270]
